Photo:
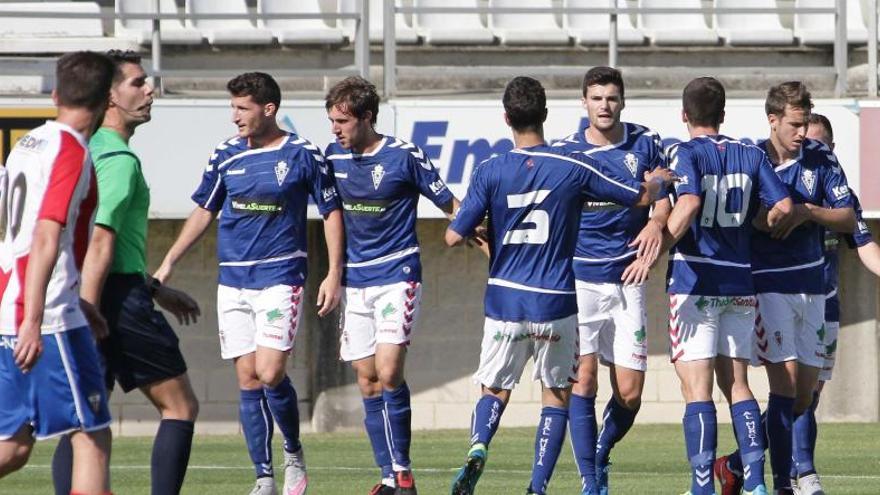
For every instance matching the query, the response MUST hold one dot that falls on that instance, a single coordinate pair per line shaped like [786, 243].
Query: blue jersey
[380, 193]
[262, 195]
[731, 178]
[859, 238]
[534, 197]
[794, 265]
[607, 228]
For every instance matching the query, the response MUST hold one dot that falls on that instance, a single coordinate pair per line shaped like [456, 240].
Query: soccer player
[723, 182]
[141, 350]
[51, 378]
[260, 181]
[379, 180]
[533, 196]
[611, 299]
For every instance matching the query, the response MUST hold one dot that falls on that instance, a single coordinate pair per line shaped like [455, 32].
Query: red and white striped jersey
[48, 175]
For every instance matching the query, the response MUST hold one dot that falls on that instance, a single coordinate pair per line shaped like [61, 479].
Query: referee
[141, 350]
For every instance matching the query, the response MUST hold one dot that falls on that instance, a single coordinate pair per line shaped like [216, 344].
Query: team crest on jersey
[809, 180]
[281, 170]
[378, 174]
[631, 162]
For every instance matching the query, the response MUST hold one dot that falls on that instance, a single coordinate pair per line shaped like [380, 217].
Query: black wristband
[154, 284]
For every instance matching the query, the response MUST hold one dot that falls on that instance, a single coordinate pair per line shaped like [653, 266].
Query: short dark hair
[818, 118]
[356, 96]
[602, 75]
[703, 100]
[791, 93]
[83, 79]
[525, 103]
[122, 57]
[258, 85]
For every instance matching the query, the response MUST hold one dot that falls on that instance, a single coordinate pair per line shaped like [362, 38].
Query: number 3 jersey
[713, 258]
[534, 198]
[262, 196]
[380, 192]
[48, 176]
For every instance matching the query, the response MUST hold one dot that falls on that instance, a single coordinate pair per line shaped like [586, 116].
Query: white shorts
[832, 328]
[507, 346]
[257, 317]
[611, 321]
[702, 327]
[384, 314]
[790, 327]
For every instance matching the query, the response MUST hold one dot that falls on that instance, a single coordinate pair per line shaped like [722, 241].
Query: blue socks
[749, 431]
[484, 422]
[616, 422]
[582, 423]
[548, 444]
[170, 455]
[780, 412]
[374, 423]
[257, 425]
[283, 405]
[804, 432]
[398, 418]
[701, 438]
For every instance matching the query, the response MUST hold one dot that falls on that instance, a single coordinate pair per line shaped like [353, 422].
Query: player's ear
[55, 97]
[368, 116]
[684, 117]
[269, 109]
[544, 117]
[721, 118]
[506, 118]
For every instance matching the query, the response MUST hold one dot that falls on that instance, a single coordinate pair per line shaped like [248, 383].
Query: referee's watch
[154, 285]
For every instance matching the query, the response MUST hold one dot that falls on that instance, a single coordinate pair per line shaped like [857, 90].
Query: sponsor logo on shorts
[272, 336]
[95, 401]
[274, 315]
[778, 336]
[821, 333]
[639, 357]
[388, 311]
[720, 302]
[831, 348]
[501, 336]
[640, 335]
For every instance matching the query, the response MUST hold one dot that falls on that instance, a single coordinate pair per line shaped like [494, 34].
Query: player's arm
[193, 230]
[96, 266]
[472, 211]
[683, 214]
[841, 219]
[330, 291]
[870, 256]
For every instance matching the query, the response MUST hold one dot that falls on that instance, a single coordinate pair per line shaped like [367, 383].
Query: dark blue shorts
[141, 348]
[64, 391]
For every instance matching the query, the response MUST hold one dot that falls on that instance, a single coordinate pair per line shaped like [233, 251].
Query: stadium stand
[818, 29]
[751, 29]
[676, 29]
[451, 29]
[594, 29]
[227, 31]
[172, 31]
[403, 31]
[48, 35]
[298, 31]
[526, 29]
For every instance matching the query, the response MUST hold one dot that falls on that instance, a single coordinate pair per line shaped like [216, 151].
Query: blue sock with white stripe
[802, 441]
[257, 425]
[701, 439]
[282, 402]
[582, 423]
[484, 421]
[616, 422]
[780, 412]
[749, 431]
[548, 443]
[374, 423]
[399, 421]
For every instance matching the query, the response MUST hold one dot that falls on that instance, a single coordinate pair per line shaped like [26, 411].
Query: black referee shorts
[141, 348]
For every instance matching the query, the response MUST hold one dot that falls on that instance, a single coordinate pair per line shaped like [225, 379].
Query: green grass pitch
[650, 460]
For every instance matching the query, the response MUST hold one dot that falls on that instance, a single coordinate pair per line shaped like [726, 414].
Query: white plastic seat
[172, 31]
[403, 32]
[526, 29]
[594, 29]
[751, 29]
[227, 31]
[818, 29]
[676, 29]
[298, 31]
[451, 29]
[54, 35]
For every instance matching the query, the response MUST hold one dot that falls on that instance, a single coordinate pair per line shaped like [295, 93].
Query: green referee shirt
[123, 199]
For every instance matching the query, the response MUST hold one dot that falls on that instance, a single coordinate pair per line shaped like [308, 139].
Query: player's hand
[329, 293]
[479, 239]
[96, 321]
[799, 214]
[28, 347]
[648, 242]
[636, 273]
[178, 303]
[664, 174]
[760, 220]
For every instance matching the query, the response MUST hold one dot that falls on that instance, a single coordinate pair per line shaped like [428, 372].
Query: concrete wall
[445, 348]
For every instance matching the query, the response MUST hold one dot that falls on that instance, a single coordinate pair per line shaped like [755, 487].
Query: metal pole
[612, 36]
[840, 49]
[872, 48]
[157, 51]
[389, 48]
[362, 40]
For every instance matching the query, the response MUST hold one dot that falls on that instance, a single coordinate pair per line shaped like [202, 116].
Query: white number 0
[715, 204]
[539, 218]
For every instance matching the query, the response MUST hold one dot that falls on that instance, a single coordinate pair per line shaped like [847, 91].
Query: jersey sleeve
[658, 155]
[475, 203]
[211, 193]
[117, 177]
[771, 190]
[427, 179]
[598, 183]
[322, 185]
[834, 183]
[682, 163]
[862, 234]
[64, 177]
